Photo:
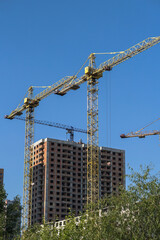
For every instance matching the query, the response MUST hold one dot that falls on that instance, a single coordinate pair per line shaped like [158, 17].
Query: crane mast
[92, 138]
[91, 76]
[27, 178]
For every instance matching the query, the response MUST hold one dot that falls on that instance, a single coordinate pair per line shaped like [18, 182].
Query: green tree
[3, 196]
[40, 232]
[132, 214]
[13, 219]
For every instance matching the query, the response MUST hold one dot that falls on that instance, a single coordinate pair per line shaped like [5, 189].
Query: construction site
[62, 175]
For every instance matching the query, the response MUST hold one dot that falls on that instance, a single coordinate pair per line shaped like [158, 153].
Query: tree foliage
[3, 196]
[132, 214]
[10, 217]
[13, 219]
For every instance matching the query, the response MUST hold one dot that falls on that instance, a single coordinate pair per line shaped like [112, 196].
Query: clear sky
[42, 41]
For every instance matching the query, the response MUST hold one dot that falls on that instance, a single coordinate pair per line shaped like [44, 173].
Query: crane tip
[123, 135]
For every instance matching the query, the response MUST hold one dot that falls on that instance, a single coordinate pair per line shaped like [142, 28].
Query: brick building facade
[60, 177]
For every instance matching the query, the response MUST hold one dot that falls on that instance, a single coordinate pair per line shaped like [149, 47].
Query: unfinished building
[60, 177]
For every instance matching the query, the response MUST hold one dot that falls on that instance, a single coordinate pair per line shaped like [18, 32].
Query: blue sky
[43, 41]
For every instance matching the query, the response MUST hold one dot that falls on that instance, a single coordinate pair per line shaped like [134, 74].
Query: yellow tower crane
[91, 76]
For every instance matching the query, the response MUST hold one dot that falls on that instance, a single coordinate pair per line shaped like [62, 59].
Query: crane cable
[110, 109]
[108, 99]
[147, 125]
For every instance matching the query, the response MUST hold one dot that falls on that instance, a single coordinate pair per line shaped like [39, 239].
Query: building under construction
[60, 177]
